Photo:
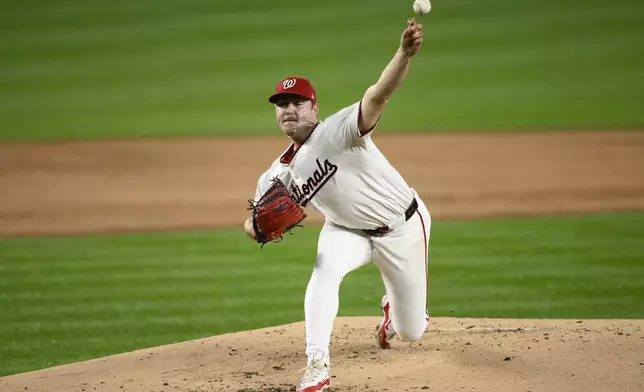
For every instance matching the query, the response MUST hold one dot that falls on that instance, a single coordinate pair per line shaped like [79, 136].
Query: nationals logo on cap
[294, 85]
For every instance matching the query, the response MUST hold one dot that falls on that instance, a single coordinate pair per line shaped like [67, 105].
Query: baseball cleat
[385, 331]
[318, 374]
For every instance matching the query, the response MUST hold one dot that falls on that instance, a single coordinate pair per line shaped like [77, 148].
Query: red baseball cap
[294, 85]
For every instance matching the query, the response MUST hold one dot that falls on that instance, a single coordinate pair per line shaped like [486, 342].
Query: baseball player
[371, 213]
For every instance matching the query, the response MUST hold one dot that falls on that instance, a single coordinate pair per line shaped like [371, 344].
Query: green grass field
[96, 69]
[72, 69]
[73, 298]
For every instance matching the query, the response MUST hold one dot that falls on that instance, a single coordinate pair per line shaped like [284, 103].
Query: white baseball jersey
[342, 174]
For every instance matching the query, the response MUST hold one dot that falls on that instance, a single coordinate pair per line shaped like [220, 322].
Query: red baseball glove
[275, 213]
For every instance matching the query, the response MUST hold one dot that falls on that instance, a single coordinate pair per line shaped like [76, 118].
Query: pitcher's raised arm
[377, 95]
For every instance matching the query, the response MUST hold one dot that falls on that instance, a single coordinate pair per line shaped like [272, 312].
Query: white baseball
[422, 7]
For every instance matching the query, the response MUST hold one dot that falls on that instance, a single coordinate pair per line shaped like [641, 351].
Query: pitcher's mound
[455, 355]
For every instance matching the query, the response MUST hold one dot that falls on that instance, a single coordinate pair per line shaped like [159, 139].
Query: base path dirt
[456, 355]
[170, 184]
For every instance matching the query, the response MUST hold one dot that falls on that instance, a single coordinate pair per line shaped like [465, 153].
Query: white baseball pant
[402, 258]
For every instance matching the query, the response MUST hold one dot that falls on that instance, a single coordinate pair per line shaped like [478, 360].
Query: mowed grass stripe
[118, 295]
[131, 320]
[206, 283]
[119, 306]
[124, 276]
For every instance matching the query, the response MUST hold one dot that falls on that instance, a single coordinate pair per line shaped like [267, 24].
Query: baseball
[422, 7]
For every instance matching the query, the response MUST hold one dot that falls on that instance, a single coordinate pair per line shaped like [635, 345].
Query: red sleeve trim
[362, 133]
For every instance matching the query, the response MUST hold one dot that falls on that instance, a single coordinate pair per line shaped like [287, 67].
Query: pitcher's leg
[340, 251]
[402, 258]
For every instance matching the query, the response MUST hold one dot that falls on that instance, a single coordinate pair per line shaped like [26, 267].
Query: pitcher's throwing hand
[411, 38]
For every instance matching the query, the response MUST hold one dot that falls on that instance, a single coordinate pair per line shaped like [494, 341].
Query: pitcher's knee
[411, 333]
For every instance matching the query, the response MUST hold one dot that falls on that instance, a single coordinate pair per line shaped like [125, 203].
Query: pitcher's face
[295, 114]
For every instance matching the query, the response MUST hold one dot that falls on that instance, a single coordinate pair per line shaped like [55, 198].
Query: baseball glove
[275, 213]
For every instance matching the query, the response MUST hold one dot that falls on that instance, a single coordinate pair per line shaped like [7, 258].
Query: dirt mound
[454, 355]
